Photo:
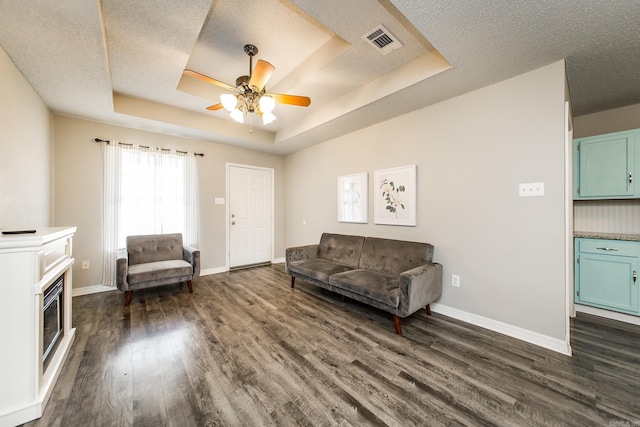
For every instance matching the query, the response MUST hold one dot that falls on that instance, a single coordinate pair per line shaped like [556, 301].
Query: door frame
[570, 310]
[228, 207]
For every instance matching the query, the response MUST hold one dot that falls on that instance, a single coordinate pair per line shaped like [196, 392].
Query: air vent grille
[382, 40]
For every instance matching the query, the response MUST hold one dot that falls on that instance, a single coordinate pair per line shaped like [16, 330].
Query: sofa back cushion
[154, 247]
[341, 249]
[394, 256]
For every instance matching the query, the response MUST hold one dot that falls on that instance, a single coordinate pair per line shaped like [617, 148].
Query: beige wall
[25, 152]
[78, 189]
[471, 152]
[618, 119]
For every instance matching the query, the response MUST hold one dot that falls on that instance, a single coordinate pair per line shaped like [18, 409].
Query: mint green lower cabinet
[606, 274]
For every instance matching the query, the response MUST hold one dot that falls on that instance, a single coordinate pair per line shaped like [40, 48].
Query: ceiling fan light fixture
[237, 115]
[267, 104]
[249, 94]
[267, 118]
[229, 101]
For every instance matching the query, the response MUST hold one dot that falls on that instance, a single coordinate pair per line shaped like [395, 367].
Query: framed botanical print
[394, 198]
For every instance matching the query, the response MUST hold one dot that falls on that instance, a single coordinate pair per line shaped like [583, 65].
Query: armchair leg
[190, 286]
[293, 281]
[127, 298]
[396, 321]
[428, 310]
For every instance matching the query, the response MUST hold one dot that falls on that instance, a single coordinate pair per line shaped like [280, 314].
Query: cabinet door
[607, 281]
[606, 166]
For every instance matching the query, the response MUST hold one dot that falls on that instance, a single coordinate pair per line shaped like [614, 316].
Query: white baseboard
[531, 337]
[215, 270]
[225, 269]
[613, 315]
[86, 290]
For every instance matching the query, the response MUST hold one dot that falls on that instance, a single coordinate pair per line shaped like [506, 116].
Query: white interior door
[250, 215]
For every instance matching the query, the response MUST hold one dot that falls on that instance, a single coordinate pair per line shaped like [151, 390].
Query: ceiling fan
[249, 94]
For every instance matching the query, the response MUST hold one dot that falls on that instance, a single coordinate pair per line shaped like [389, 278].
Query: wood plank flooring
[246, 350]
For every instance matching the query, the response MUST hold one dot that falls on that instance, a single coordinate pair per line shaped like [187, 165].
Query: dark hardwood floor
[246, 350]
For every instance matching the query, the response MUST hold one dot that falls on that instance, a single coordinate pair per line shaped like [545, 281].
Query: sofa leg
[428, 310]
[127, 298]
[293, 281]
[396, 321]
[190, 287]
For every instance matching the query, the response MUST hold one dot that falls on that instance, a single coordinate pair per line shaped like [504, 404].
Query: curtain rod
[145, 146]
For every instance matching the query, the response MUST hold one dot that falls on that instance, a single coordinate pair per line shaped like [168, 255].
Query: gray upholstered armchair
[155, 260]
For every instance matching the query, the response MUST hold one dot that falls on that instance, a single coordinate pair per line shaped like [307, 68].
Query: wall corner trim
[531, 337]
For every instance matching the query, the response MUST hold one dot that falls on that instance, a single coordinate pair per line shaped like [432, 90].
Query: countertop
[607, 236]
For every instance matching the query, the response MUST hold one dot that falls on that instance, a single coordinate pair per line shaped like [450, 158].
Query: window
[147, 191]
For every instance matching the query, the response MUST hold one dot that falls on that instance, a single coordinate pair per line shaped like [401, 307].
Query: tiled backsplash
[610, 216]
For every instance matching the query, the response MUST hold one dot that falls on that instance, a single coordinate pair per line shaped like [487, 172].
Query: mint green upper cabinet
[604, 166]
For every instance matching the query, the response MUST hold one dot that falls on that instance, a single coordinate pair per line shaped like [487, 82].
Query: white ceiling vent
[382, 40]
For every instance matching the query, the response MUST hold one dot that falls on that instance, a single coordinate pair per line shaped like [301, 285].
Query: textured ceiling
[121, 61]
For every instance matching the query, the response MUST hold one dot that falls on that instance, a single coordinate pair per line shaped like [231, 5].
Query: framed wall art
[353, 198]
[394, 196]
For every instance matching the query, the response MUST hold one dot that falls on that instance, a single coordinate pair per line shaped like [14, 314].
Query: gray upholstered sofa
[155, 260]
[392, 275]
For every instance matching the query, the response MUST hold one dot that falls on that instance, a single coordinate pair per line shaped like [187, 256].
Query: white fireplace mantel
[29, 264]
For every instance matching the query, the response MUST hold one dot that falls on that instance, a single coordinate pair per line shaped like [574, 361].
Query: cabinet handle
[608, 249]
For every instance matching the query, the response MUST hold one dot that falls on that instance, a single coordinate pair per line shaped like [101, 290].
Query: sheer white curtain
[146, 191]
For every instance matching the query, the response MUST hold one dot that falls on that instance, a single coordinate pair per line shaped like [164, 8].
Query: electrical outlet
[85, 265]
[455, 280]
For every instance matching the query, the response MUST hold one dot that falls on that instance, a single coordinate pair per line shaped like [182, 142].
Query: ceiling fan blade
[215, 107]
[261, 74]
[300, 101]
[208, 80]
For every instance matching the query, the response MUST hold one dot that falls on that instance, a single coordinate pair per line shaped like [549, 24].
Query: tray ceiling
[121, 62]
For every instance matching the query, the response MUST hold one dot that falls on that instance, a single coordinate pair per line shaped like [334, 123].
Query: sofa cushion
[318, 269]
[155, 247]
[384, 288]
[157, 270]
[393, 256]
[341, 249]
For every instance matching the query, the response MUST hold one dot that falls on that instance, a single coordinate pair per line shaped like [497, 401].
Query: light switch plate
[532, 189]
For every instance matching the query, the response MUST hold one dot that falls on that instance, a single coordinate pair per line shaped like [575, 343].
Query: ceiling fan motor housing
[243, 81]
